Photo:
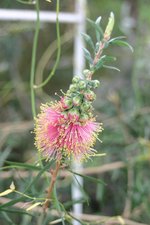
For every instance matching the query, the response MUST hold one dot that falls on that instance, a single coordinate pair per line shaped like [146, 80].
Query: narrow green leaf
[26, 2]
[7, 218]
[123, 43]
[98, 36]
[89, 41]
[102, 60]
[87, 55]
[93, 179]
[76, 219]
[97, 28]
[97, 47]
[100, 63]
[116, 38]
[16, 211]
[23, 165]
[82, 190]
[12, 202]
[4, 155]
[109, 59]
[98, 20]
[111, 67]
[68, 204]
[38, 175]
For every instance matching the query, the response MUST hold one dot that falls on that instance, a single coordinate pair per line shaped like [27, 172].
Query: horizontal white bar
[45, 16]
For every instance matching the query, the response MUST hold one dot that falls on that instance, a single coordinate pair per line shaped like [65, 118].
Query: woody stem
[50, 189]
[98, 54]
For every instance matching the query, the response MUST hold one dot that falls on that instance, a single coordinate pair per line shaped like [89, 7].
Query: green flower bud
[77, 100]
[109, 27]
[66, 103]
[73, 114]
[84, 118]
[76, 79]
[73, 87]
[90, 115]
[90, 95]
[85, 106]
[95, 83]
[86, 72]
[68, 93]
[82, 84]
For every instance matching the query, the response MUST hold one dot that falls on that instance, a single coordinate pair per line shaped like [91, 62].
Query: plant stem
[33, 60]
[98, 55]
[50, 189]
[57, 205]
[58, 51]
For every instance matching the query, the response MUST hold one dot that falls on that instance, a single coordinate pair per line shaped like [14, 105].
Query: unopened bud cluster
[77, 103]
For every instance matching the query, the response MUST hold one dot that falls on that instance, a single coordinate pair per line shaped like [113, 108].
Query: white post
[79, 63]
[30, 15]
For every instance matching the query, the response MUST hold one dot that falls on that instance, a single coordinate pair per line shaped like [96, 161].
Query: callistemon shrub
[67, 128]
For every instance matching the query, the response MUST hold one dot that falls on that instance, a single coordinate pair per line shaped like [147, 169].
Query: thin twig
[98, 53]
[54, 174]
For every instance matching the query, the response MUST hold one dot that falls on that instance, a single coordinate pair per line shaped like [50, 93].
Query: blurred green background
[122, 101]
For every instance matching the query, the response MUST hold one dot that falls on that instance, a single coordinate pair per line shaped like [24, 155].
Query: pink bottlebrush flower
[57, 135]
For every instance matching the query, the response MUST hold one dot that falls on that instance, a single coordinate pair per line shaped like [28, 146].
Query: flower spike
[68, 127]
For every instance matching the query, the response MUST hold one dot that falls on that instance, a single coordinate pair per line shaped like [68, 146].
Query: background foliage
[122, 105]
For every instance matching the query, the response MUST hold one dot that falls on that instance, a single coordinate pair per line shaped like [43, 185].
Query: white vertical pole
[79, 63]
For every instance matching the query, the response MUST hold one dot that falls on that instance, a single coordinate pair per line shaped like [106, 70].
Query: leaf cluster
[101, 44]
